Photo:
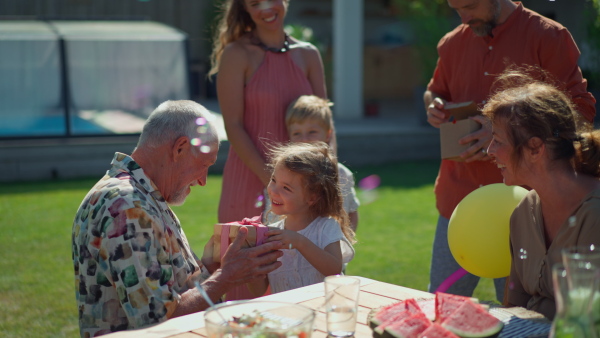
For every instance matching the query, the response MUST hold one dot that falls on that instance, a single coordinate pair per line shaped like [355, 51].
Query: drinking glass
[587, 254]
[586, 257]
[341, 304]
[573, 289]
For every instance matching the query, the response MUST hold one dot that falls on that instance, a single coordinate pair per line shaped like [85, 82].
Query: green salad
[264, 325]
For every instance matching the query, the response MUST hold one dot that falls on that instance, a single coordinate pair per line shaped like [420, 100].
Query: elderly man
[493, 35]
[133, 264]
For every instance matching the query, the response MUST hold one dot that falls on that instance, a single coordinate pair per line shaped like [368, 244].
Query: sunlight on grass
[37, 295]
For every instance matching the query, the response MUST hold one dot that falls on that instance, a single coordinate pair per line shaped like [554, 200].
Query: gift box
[225, 233]
[458, 127]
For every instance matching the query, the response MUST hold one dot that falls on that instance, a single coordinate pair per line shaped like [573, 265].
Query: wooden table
[373, 294]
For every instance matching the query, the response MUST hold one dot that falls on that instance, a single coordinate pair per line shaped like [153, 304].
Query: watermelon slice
[409, 327]
[412, 306]
[428, 307]
[437, 331]
[396, 318]
[472, 320]
[379, 315]
[446, 303]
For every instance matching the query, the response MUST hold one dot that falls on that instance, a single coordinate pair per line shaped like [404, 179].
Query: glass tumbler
[341, 304]
[573, 289]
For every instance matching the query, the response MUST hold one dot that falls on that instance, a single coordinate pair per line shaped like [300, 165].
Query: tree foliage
[429, 20]
[593, 42]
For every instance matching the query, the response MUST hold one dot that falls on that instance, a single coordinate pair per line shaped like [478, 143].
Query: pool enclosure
[87, 78]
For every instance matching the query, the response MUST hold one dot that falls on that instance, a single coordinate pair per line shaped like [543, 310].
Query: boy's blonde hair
[318, 167]
[310, 107]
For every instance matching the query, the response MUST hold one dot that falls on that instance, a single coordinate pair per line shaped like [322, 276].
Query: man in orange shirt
[493, 35]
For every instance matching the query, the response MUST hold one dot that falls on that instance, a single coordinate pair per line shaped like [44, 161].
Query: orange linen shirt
[467, 67]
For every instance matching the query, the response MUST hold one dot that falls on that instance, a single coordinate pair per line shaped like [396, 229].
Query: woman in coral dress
[260, 71]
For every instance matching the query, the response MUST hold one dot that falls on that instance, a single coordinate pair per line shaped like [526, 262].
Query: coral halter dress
[276, 83]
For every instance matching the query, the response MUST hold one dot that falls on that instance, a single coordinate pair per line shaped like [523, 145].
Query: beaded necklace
[285, 48]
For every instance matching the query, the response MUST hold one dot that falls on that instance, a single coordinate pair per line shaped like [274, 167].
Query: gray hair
[174, 119]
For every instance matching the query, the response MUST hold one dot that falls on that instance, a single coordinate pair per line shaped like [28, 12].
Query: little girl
[315, 228]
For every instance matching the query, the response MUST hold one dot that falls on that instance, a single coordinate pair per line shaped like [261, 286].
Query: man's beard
[486, 27]
[178, 197]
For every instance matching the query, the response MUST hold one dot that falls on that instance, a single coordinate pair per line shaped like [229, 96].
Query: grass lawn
[37, 297]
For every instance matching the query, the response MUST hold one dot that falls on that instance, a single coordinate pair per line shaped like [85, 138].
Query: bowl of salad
[259, 319]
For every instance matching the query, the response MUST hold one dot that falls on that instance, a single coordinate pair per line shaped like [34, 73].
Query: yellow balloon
[478, 232]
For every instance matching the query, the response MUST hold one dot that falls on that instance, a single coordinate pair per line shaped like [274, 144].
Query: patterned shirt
[131, 257]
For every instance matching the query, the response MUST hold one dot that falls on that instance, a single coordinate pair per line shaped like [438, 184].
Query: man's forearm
[192, 301]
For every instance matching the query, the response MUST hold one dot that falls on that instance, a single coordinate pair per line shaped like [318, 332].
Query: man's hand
[239, 265]
[482, 138]
[435, 112]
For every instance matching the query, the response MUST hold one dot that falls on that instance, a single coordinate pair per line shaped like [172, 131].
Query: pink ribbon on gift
[261, 231]
[224, 238]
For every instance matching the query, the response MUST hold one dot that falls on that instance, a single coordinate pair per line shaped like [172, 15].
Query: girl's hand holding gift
[289, 238]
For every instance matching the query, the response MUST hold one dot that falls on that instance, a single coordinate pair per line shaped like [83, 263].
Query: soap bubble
[259, 201]
[201, 121]
[370, 182]
[367, 189]
[522, 253]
